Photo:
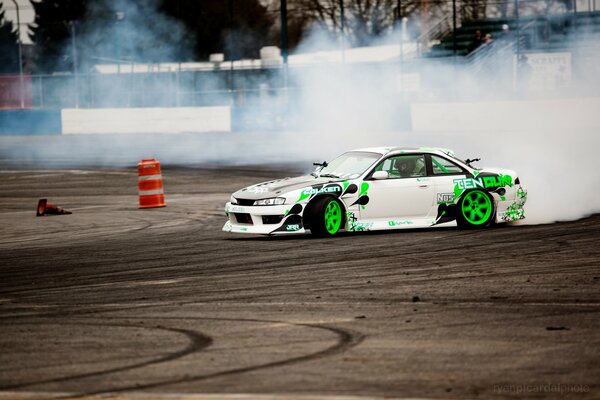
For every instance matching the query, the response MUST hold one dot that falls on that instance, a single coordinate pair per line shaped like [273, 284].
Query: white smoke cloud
[548, 136]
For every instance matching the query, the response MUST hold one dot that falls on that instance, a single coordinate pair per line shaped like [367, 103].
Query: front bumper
[263, 220]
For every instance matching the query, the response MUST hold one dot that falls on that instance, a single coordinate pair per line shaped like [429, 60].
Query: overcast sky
[26, 14]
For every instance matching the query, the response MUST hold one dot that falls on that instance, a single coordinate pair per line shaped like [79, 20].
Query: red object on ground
[150, 185]
[45, 208]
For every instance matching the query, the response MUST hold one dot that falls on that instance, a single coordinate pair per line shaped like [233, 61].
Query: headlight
[273, 201]
[233, 200]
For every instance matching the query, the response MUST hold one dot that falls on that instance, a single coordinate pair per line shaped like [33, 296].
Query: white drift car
[377, 189]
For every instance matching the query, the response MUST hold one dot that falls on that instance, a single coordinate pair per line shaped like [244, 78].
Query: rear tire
[475, 210]
[327, 217]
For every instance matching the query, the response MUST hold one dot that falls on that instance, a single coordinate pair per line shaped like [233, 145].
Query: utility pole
[425, 24]
[231, 44]
[22, 84]
[518, 49]
[284, 45]
[119, 15]
[454, 30]
[342, 26]
[401, 25]
[284, 31]
[75, 66]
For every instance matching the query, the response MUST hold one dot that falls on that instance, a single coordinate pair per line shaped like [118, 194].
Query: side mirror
[379, 175]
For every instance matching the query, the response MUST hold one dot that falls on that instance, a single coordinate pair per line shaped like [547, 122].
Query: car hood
[280, 187]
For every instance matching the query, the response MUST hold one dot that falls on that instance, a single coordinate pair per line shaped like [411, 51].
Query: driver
[405, 166]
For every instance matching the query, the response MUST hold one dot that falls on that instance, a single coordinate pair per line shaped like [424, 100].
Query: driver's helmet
[405, 165]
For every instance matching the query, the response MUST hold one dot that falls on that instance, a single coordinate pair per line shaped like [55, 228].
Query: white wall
[146, 120]
[565, 114]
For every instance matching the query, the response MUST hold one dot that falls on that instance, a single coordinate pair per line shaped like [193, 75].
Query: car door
[408, 194]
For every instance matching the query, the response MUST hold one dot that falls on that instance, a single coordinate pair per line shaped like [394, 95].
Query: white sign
[542, 71]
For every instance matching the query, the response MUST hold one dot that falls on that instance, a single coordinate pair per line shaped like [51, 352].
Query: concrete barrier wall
[29, 122]
[565, 114]
[146, 120]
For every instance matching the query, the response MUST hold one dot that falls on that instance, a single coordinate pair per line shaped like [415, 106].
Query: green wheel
[333, 217]
[327, 217]
[476, 209]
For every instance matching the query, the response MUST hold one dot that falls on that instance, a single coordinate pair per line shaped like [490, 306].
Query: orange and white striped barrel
[150, 185]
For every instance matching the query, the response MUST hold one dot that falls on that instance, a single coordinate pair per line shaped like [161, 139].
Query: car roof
[400, 150]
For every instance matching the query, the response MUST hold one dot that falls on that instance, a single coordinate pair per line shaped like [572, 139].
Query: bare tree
[364, 20]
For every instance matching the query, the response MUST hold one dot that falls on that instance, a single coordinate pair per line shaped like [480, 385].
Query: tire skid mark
[346, 339]
[198, 342]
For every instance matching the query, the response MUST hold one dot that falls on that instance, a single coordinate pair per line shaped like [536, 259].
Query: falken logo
[445, 198]
[326, 189]
[294, 227]
[484, 182]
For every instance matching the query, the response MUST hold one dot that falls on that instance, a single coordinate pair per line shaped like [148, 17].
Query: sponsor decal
[258, 189]
[399, 223]
[326, 189]
[443, 198]
[483, 182]
[294, 227]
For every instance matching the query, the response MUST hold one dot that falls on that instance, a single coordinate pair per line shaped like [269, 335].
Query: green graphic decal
[438, 218]
[457, 191]
[303, 195]
[364, 188]
[361, 226]
[483, 182]
[355, 226]
[515, 210]
[363, 196]
[476, 207]
[333, 217]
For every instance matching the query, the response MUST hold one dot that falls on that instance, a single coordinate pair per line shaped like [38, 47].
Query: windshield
[349, 165]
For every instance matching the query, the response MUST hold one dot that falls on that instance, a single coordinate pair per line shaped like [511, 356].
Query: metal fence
[153, 89]
[575, 33]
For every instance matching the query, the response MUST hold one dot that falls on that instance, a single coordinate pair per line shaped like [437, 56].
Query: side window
[404, 166]
[385, 165]
[441, 166]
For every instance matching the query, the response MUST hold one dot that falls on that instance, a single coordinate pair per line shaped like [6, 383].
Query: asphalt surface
[113, 301]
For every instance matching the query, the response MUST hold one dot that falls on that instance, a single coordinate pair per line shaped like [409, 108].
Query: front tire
[475, 210]
[327, 217]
